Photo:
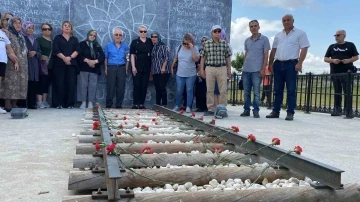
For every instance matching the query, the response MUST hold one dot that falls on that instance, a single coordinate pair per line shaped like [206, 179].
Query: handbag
[44, 62]
[176, 63]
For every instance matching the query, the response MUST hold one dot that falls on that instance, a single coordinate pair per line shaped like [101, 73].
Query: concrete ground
[37, 152]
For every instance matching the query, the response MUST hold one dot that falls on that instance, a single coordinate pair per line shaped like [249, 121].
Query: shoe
[199, 110]
[188, 110]
[273, 115]
[46, 104]
[2, 111]
[245, 113]
[176, 108]
[70, 107]
[59, 107]
[142, 107]
[134, 107]
[256, 114]
[90, 105]
[83, 105]
[336, 112]
[289, 117]
[209, 113]
[40, 105]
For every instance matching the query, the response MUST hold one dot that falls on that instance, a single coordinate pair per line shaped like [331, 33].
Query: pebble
[214, 183]
[294, 180]
[303, 183]
[159, 190]
[269, 186]
[167, 142]
[193, 189]
[168, 190]
[168, 186]
[188, 185]
[223, 182]
[175, 186]
[265, 181]
[195, 152]
[181, 188]
[239, 181]
[220, 186]
[308, 180]
[237, 186]
[247, 183]
[229, 189]
[276, 181]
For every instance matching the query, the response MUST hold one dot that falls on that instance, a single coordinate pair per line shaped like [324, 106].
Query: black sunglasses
[336, 35]
[185, 44]
[217, 31]
[142, 31]
[46, 29]
[154, 37]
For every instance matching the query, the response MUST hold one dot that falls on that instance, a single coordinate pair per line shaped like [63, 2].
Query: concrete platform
[36, 152]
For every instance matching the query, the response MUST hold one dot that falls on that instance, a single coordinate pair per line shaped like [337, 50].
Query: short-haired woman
[66, 48]
[140, 51]
[187, 56]
[91, 57]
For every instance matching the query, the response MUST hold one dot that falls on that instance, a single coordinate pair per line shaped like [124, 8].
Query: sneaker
[46, 104]
[289, 117]
[273, 115]
[256, 114]
[245, 113]
[188, 110]
[70, 107]
[59, 107]
[2, 111]
[83, 105]
[176, 108]
[90, 105]
[40, 105]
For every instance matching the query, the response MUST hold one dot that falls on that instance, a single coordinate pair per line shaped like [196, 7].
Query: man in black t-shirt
[341, 56]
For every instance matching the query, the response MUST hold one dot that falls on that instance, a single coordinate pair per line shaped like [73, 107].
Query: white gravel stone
[188, 185]
[269, 186]
[221, 186]
[223, 182]
[167, 142]
[159, 190]
[168, 186]
[264, 165]
[214, 183]
[216, 189]
[195, 152]
[168, 190]
[209, 152]
[232, 165]
[294, 180]
[308, 180]
[247, 183]
[207, 186]
[239, 181]
[229, 189]
[201, 190]
[175, 186]
[303, 183]
[229, 184]
[244, 188]
[237, 186]
[276, 181]
[181, 188]
[193, 189]
[265, 181]
[147, 189]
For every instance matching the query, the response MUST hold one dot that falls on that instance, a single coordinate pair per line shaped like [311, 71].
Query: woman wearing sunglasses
[91, 57]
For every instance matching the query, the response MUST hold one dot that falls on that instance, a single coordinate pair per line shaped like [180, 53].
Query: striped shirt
[159, 55]
[288, 45]
[216, 53]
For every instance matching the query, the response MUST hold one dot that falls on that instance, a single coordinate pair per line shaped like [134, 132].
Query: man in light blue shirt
[257, 48]
[116, 63]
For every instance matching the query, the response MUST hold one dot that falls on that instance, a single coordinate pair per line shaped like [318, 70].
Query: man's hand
[298, 67]
[105, 70]
[67, 60]
[202, 74]
[336, 61]
[229, 73]
[271, 68]
[345, 61]
[134, 71]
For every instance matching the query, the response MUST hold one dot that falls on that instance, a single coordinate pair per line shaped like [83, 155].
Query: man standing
[216, 56]
[257, 49]
[116, 68]
[341, 56]
[289, 51]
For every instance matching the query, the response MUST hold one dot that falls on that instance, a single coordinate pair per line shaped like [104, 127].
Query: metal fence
[315, 92]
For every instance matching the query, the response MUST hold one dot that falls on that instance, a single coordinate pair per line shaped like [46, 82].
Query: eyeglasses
[154, 37]
[46, 29]
[217, 31]
[118, 34]
[185, 44]
[142, 31]
[7, 19]
[93, 35]
[337, 35]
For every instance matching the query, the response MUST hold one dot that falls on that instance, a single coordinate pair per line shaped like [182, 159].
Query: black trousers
[200, 93]
[65, 82]
[266, 92]
[140, 82]
[340, 83]
[160, 81]
[31, 94]
[116, 77]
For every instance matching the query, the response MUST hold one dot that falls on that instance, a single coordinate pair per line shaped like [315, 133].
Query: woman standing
[34, 54]
[187, 56]
[200, 86]
[45, 44]
[15, 84]
[66, 48]
[140, 50]
[160, 68]
[91, 57]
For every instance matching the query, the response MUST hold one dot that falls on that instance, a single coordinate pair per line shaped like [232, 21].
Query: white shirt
[288, 45]
[4, 40]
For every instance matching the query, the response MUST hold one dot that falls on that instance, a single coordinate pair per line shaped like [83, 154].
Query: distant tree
[238, 62]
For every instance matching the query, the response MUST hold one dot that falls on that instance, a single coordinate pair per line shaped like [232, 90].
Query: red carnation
[97, 106]
[110, 149]
[118, 133]
[96, 125]
[144, 127]
[97, 146]
[124, 118]
[251, 138]
[235, 129]
[154, 119]
[156, 123]
[147, 150]
[137, 124]
[182, 111]
[298, 150]
[201, 118]
[212, 121]
[116, 116]
[126, 123]
[217, 149]
[193, 114]
[138, 113]
[121, 126]
[196, 141]
[275, 141]
[158, 113]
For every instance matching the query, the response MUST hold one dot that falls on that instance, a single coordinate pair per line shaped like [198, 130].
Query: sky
[320, 19]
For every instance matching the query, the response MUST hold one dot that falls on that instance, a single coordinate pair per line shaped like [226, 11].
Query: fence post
[233, 89]
[348, 96]
[308, 93]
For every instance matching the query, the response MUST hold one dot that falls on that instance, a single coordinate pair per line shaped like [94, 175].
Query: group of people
[29, 65]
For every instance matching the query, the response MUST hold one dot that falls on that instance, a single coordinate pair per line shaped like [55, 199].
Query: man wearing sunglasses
[287, 55]
[340, 56]
[216, 55]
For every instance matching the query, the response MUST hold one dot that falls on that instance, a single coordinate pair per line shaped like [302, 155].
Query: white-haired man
[115, 68]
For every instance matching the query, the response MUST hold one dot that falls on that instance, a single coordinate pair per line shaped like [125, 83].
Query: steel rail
[325, 174]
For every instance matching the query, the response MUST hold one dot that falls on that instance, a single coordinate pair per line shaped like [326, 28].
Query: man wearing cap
[286, 58]
[216, 56]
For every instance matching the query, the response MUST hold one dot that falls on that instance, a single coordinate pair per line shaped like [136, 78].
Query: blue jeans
[180, 83]
[284, 73]
[251, 80]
